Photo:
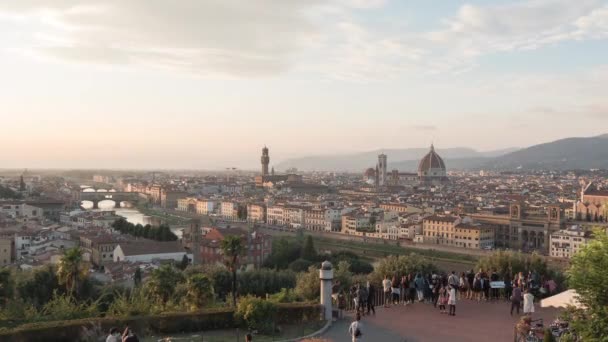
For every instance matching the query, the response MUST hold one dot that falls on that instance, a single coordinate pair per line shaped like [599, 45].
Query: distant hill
[564, 154]
[569, 153]
[401, 159]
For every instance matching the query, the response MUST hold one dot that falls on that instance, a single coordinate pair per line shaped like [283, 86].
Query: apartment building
[256, 212]
[439, 230]
[475, 236]
[314, 219]
[567, 242]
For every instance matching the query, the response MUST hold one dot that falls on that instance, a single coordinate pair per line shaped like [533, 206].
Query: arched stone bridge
[97, 196]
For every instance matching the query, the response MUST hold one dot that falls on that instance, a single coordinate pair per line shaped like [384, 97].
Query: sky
[206, 84]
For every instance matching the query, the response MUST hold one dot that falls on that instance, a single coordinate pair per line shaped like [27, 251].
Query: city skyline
[204, 85]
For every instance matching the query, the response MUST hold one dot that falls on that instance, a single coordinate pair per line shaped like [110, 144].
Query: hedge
[80, 330]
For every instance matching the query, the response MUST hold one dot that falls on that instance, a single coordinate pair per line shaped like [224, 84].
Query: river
[134, 216]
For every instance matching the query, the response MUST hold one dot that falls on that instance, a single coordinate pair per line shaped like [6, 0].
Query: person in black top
[470, 277]
[494, 277]
[371, 295]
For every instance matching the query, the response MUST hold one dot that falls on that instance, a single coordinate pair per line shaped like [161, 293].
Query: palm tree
[232, 247]
[200, 290]
[71, 270]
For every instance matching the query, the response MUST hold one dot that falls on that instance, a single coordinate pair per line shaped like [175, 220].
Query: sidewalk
[474, 322]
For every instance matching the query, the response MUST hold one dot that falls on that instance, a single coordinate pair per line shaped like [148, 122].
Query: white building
[275, 215]
[20, 210]
[148, 251]
[566, 242]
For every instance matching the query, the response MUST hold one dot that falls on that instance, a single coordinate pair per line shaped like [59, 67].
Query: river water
[134, 216]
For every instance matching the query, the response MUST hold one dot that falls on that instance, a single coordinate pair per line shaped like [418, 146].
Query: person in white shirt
[528, 303]
[387, 286]
[452, 301]
[114, 336]
[355, 329]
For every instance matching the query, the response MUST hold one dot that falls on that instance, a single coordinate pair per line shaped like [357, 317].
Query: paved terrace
[420, 322]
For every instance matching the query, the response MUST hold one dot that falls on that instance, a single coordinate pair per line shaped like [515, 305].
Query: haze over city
[205, 84]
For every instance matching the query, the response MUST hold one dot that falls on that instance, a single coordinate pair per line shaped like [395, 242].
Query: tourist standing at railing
[462, 285]
[428, 288]
[386, 285]
[412, 288]
[443, 299]
[452, 301]
[494, 277]
[470, 280]
[436, 283]
[404, 289]
[478, 287]
[419, 281]
[395, 290]
[508, 287]
[371, 296]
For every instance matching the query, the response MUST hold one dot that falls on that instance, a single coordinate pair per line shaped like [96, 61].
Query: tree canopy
[588, 276]
[160, 233]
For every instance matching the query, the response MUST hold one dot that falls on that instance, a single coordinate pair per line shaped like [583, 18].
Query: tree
[232, 247]
[38, 287]
[308, 252]
[402, 265]
[184, 263]
[256, 313]
[162, 282]
[587, 275]
[137, 277]
[6, 285]
[199, 291]
[71, 270]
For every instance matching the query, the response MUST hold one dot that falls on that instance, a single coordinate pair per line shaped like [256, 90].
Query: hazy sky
[206, 83]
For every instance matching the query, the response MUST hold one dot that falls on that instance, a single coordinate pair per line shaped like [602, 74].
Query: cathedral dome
[369, 173]
[431, 165]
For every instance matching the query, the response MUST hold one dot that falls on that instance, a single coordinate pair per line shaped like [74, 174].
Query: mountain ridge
[566, 153]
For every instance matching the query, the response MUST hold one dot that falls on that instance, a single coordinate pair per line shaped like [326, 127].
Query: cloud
[526, 25]
[227, 37]
[331, 39]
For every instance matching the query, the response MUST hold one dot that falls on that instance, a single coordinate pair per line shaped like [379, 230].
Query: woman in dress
[528, 303]
[443, 299]
[452, 301]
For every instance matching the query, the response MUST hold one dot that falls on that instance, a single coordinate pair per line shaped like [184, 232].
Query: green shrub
[256, 313]
[284, 296]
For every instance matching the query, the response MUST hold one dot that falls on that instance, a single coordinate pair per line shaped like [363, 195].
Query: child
[452, 301]
[443, 299]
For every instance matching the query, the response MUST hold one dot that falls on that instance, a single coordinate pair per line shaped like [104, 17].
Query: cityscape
[346, 170]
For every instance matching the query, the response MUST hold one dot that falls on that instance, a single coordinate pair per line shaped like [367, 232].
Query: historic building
[593, 204]
[382, 170]
[431, 169]
[272, 178]
[522, 228]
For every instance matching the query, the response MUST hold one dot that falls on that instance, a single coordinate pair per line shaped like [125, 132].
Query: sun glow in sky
[205, 84]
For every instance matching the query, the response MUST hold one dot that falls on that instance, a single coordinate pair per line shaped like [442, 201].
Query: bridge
[115, 196]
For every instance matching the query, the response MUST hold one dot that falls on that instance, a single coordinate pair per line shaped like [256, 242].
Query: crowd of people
[444, 290]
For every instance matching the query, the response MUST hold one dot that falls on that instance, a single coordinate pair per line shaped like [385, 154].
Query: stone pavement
[420, 322]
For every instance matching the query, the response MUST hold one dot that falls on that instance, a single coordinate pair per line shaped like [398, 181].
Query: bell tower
[265, 161]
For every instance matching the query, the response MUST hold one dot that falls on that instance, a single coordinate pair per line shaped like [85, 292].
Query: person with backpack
[354, 330]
